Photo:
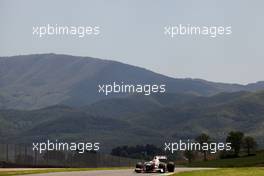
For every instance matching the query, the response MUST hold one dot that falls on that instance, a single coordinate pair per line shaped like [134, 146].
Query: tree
[203, 138]
[236, 140]
[189, 155]
[249, 144]
[139, 151]
[54, 155]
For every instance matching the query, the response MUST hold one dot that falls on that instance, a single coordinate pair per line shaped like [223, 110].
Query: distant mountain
[38, 81]
[140, 119]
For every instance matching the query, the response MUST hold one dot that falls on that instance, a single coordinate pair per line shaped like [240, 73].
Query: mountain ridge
[41, 80]
[127, 124]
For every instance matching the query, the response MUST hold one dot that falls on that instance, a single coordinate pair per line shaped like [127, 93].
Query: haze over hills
[50, 96]
[121, 121]
[38, 81]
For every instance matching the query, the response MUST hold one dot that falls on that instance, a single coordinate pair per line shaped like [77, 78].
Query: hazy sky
[132, 32]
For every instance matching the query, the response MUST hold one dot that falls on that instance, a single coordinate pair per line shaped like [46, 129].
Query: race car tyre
[137, 171]
[170, 167]
[139, 165]
[162, 168]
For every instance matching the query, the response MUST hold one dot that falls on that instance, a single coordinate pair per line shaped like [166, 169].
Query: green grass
[247, 161]
[253, 171]
[39, 171]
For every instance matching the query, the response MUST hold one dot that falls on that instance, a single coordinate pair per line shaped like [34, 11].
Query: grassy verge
[247, 161]
[252, 171]
[39, 171]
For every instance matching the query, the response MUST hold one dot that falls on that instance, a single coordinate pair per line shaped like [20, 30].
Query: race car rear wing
[161, 157]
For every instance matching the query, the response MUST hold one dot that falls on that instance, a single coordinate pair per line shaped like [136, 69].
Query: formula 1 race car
[159, 164]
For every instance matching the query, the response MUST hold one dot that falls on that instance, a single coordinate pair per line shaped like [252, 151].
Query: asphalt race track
[124, 172]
